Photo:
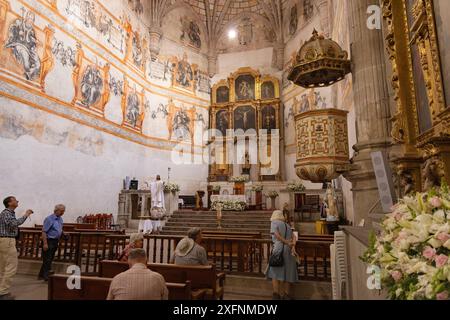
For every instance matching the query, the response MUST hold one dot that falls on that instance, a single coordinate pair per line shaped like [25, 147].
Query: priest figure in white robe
[158, 209]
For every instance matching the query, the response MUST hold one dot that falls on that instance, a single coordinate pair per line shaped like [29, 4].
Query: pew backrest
[96, 288]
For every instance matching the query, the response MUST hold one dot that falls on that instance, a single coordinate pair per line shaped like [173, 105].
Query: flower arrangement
[216, 188]
[171, 187]
[257, 188]
[295, 187]
[413, 249]
[239, 179]
[272, 194]
[229, 205]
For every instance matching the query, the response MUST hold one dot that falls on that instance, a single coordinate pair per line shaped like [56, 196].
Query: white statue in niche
[332, 211]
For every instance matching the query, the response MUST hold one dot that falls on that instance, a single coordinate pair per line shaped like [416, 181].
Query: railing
[231, 255]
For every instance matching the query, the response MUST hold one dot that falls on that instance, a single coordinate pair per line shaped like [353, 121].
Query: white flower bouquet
[239, 179]
[295, 187]
[413, 248]
[272, 194]
[229, 205]
[171, 187]
[216, 188]
[257, 188]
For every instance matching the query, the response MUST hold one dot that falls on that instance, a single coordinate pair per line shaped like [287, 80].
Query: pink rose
[443, 237]
[441, 260]
[396, 275]
[436, 202]
[429, 253]
[442, 296]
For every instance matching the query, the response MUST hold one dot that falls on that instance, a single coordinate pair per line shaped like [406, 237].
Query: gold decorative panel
[322, 144]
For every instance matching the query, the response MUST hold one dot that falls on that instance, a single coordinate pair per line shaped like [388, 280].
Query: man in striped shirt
[9, 228]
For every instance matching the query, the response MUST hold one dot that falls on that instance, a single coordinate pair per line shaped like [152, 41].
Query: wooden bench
[96, 288]
[230, 234]
[205, 282]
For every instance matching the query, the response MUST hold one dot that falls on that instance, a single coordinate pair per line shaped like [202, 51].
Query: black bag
[277, 260]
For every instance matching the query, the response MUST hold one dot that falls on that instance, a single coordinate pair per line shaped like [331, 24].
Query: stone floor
[27, 287]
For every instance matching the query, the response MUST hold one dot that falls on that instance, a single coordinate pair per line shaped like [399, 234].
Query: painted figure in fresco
[136, 6]
[293, 21]
[181, 125]
[91, 85]
[137, 51]
[199, 118]
[192, 31]
[133, 109]
[23, 43]
[304, 103]
[116, 86]
[290, 116]
[185, 74]
[64, 55]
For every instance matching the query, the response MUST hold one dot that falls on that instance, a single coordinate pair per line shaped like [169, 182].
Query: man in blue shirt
[52, 231]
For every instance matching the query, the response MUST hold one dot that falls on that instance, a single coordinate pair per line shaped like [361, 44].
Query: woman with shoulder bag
[282, 268]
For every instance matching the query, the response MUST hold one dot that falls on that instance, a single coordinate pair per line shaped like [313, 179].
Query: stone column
[372, 107]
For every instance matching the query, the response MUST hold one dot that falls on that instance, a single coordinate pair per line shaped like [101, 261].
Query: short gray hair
[59, 207]
[136, 237]
[137, 254]
[194, 232]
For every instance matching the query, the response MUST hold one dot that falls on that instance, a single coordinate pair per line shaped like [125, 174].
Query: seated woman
[189, 251]
[136, 241]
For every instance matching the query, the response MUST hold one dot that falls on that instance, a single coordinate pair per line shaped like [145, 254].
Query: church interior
[159, 117]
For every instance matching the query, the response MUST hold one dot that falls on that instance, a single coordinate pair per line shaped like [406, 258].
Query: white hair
[59, 207]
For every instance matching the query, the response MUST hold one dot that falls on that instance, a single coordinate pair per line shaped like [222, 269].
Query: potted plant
[216, 189]
[295, 187]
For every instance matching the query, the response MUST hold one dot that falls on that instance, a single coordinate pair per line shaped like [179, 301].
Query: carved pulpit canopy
[320, 62]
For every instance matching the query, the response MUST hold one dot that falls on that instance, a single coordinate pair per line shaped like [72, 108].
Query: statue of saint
[332, 211]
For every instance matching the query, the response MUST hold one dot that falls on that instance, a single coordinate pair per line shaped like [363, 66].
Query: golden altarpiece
[418, 45]
[248, 101]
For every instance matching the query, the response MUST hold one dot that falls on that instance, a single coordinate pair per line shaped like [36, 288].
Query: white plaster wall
[84, 170]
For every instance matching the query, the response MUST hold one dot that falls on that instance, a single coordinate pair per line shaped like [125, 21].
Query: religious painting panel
[222, 121]
[293, 20]
[267, 90]
[133, 106]
[268, 118]
[245, 118]
[91, 82]
[245, 87]
[442, 15]
[181, 123]
[222, 94]
[184, 74]
[26, 50]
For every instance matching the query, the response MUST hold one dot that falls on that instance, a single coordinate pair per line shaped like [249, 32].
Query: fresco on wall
[181, 125]
[133, 107]
[244, 118]
[190, 33]
[161, 69]
[136, 6]
[116, 85]
[22, 41]
[138, 56]
[183, 74]
[293, 21]
[245, 87]
[90, 15]
[64, 54]
[26, 48]
[308, 9]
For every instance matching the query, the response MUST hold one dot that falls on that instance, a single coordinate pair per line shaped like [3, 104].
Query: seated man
[136, 242]
[139, 282]
[189, 251]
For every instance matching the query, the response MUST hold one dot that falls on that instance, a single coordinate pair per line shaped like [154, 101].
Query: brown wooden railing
[231, 255]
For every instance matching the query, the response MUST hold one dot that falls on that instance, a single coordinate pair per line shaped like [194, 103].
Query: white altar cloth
[231, 197]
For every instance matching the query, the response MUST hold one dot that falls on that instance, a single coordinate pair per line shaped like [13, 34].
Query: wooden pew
[96, 288]
[230, 234]
[204, 279]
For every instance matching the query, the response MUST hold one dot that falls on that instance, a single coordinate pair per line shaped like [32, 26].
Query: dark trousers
[47, 257]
